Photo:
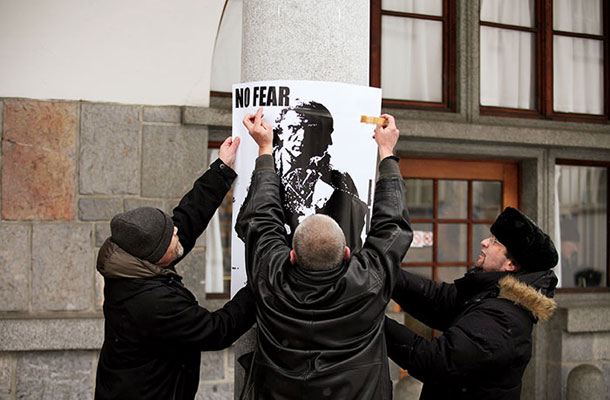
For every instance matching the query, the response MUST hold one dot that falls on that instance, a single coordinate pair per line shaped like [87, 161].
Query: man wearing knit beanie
[486, 317]
[154, 328]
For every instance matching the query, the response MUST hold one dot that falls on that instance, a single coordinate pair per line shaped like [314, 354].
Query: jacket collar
[532, 290]
[114, 262]
[529, 296]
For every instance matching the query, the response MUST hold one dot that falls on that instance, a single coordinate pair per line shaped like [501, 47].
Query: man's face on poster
[292, 134]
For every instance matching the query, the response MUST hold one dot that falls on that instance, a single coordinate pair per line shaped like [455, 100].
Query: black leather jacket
[320, 333]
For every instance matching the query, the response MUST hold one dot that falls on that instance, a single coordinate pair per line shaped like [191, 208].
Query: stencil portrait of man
[310, 185]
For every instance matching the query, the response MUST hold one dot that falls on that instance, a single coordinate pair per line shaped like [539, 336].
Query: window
[413, 53]
[226, 63]
[582, 218]
[544, 59]
[218, 244]
[452, 204]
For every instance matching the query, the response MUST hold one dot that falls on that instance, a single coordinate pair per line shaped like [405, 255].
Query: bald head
[319, 243]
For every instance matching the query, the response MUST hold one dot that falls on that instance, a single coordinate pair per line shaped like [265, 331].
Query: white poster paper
[324, 155]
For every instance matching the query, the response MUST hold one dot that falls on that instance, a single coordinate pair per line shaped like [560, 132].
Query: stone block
[99, 209]
[588, 319]
[577, 347]
[62, 267]
[7, 371]
[586, 382]
[38, 157]
[15, 261]
[109, 149]
[231, 355]
[99, 291]
[407, 388]
[162, 114]
[173, 157]
[192, 269]
[51, 334]
[102, 232]
[601, 346]
[131, 204]
[215, 391]
[55, 375]
[212, 365]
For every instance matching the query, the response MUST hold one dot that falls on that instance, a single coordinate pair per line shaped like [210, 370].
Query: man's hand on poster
[261, 131]
[227, 151]
[386, 137]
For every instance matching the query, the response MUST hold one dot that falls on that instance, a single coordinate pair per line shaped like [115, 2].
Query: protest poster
[325, 156]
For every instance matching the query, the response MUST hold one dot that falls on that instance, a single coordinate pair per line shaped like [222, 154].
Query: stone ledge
[51, 334]
[597, 137]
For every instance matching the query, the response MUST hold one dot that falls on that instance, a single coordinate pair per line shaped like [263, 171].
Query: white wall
[156, 52]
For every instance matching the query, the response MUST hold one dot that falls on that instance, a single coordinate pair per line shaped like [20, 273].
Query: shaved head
[319, 243]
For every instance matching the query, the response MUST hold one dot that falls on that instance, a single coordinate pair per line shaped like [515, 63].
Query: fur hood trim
[527, 297]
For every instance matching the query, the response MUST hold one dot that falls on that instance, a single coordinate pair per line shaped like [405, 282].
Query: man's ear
[509, 266]
[293, 257]
[346, 253]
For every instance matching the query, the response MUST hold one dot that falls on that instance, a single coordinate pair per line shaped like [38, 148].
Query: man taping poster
[322, 152]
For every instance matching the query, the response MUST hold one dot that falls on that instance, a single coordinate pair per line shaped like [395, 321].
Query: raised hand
[227, 151]
[386, 137]
[260, 130]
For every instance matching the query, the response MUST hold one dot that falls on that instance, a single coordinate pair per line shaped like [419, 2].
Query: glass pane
[421, 247]
[510, 12]
[424, 272]
[583, 223]
[450, 274]
[582, 16]
[427, 7]
[578, 75]
[218, 244]
[226, 64]
[420, 197]
[452, 199]
[507, 68]
[411, 59]
[452, 242]
[479, 233]
[486, 199]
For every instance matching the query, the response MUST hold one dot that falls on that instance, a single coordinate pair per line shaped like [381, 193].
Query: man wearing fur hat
[154, 328]
[486, 317]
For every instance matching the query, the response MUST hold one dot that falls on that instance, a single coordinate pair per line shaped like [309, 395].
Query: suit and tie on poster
[325, 157]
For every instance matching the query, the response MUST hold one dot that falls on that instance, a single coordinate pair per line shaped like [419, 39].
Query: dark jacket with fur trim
[320, 333]
[486, 319]
[154, 328]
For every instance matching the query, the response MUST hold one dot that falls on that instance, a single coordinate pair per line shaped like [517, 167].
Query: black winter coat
[486, 319]
[320, 333]
[154, 327]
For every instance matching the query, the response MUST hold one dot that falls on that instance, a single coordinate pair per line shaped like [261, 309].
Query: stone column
[302, 40]
[306, 40]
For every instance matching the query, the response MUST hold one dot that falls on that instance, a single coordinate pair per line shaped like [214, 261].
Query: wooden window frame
[544, 67]
[448, 104]
[480, 170]
[585, 163]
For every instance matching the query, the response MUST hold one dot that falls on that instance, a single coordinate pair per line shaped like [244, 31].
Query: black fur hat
[532, 249]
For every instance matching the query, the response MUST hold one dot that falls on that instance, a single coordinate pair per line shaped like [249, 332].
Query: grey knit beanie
[144, 232]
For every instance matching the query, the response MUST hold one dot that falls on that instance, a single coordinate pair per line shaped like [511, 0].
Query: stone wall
[579, 348]
[67, 168]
